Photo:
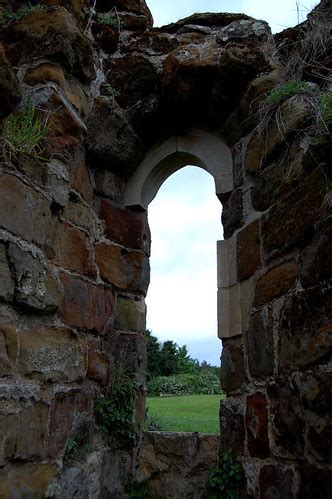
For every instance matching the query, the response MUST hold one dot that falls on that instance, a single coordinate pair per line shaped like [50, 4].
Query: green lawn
[190, 413]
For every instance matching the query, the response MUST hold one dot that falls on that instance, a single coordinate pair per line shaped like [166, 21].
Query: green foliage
[184, 384]
[152, 422]
[107, 89]
[109, 20]
[22, 134]
[165, 359]
[9, 17]
[70, 450]
[325, 107]
[115, 412]
[225, 481]
[288, 89]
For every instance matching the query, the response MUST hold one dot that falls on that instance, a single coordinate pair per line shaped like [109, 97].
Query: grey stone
[7, 285]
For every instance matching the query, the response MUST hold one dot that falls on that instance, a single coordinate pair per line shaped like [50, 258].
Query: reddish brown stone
[107, 37]
[86, 305]
[316, 261]
[277, 481]
[130, 314]
[7, 287]
[127, 270]
[291, 220]
[70, 248]
[260, 346]
[248, 250]
[80, 177]
[126, 227]
[305, 335]
[232, 373]
[232, 434]
[257, 426]
[23, 210]
[276, 282]
[98, 367]
[69, 411]
[30, 439]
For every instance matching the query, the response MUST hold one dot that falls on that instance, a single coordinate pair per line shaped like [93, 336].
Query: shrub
[225, 481]
[325, 107]
[184, 384]
[115, 413]
[22, 134]
[107, 89]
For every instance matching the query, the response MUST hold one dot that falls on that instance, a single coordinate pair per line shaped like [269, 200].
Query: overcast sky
[185, 215]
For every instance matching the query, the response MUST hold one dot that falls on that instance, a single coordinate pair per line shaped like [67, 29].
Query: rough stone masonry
[74, 257]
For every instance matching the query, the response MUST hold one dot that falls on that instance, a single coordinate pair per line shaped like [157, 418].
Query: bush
[225, 481]
[9, 17]
[184, 384]
[288, 89]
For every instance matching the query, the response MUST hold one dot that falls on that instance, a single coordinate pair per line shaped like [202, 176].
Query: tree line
[167, 358]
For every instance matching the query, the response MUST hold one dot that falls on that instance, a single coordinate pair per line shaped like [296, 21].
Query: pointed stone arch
[196, 147]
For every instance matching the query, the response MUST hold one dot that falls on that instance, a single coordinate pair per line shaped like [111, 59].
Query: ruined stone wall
[74, 262]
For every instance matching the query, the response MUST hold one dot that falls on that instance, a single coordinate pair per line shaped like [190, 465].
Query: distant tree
[186, 364]
[169, 358]
[153, 348]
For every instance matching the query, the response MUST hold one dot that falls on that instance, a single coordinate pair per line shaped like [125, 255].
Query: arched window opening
[185, 224]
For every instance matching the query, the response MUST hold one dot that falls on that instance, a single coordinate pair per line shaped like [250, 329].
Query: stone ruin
[128, 105]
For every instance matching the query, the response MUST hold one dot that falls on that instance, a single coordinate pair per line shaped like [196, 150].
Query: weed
[70, 450]
[115, 413]
[109, 20]
[135, 490]
[10, 17]
[107, 89]
[288, 89]
[225, 481]
[325, 108]
[22, 133]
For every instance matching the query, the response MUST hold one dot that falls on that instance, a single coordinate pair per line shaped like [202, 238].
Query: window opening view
[183, 347]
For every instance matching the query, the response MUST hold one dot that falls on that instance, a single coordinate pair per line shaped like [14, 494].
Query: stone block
[81, 215]
[232, 433]
[127, 353]
[98, 367]
[31, 433]
[291, 220]
[10, 92]
[26, 480]
[126, 227]
[315, 259]
[256, 422]
[248, 250]
[51, 354]
[287, 425]
[36, 286]
[126, 270]
[86, 305]
[315, 482]
[232, 213]
[70, 411]
[226, 262]
[52, 34]
[8, 347]
[260, 345]
[70, 248]
[277, 481]
[305, 333]
[7, 283]
[24, 211]
[232, 374]
[229, 311]
[109, 184]
[111, 141]
[276, 282]
[130, 314]
[316, 392]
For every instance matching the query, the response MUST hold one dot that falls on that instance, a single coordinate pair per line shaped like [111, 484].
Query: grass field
[190, 413]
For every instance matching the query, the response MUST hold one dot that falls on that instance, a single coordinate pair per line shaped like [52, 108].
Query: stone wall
[74, 259]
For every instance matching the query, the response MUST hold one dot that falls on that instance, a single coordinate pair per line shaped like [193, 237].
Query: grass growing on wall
[189, 413]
